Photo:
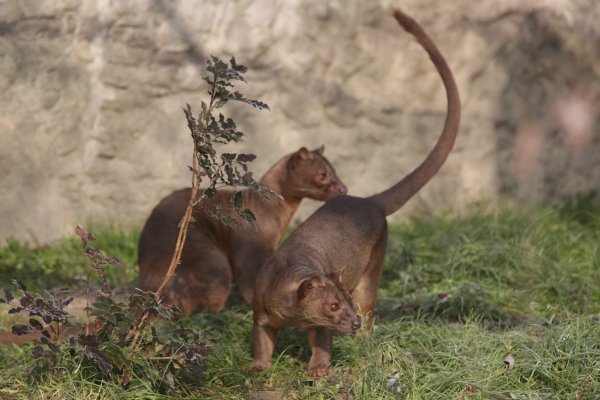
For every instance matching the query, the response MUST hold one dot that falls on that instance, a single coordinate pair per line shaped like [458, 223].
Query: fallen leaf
[443, 297]
[393, 379]
[469, 390]
[509, 361]
[125, 379]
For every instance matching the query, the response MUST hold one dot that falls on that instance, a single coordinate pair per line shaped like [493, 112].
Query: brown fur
[214, 253]
[341, 246]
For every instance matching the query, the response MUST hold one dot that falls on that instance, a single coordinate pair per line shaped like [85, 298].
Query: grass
[458, 296]
[63, 263]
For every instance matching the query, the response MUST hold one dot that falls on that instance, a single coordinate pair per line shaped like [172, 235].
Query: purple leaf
[66, 302]
[21, 330]
[84, 235]
[37, 352]
[92, 253]
[111, 261]
[8, 295]
[244, 158]
[25, 301]
[20, 285]
[36, 324]
[89, 340]
[99, 359]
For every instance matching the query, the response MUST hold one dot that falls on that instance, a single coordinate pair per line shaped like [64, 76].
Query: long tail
[393, 198]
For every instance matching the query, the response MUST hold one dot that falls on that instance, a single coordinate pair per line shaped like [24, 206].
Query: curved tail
[392, 199]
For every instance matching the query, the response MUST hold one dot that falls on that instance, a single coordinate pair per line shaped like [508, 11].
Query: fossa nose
[356, 323]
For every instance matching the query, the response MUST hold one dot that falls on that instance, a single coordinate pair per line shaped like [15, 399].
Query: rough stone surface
[91, 94]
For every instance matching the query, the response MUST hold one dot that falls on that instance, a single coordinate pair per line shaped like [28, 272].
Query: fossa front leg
[263, 344]
[320, 340]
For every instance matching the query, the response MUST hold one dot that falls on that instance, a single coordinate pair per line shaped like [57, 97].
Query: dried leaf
[169, 380]
[393, 379]
[443, 297]
[509, 361]
[469, 390]
[125, 379]
[84, 235]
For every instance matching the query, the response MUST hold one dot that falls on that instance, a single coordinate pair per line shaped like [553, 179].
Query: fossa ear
[301, 155]
[304, 154]
[309, 285]
[335, 276]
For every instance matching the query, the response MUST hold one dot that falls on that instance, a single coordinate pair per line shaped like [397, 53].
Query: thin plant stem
[142, 323]
[184, 226]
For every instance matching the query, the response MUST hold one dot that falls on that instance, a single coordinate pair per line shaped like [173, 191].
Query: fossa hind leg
[364, 294]
[202, 282]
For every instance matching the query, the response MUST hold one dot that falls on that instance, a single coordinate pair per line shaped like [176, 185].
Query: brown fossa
[214, 253]
[328, 271]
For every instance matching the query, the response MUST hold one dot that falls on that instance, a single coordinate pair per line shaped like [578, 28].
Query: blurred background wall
[91, 127]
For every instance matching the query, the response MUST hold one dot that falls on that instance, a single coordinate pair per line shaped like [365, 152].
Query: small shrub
[109, 346]
[142, 339]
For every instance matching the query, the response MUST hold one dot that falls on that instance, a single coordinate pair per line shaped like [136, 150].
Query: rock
[91, 94]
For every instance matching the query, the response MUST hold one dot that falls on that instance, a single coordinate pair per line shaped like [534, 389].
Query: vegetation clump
[123, 340]
[459, 297]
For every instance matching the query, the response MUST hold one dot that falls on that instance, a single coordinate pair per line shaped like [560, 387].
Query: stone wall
[91, 94]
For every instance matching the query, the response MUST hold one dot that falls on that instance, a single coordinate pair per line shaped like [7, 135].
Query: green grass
[458, 295]
[64, 264]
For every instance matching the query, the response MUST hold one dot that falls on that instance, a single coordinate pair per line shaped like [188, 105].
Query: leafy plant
[107, 347]
[119, 338]
[47, 317]
[225, 169]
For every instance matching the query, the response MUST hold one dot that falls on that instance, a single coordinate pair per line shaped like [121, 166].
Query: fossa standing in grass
[328, 270]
